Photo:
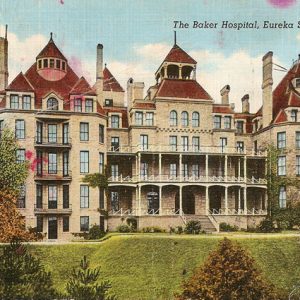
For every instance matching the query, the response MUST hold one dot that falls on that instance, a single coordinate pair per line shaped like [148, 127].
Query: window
[84, 161]
[227, 122]
[115, 121]
[282, 197]
[39, 224]
[240, 147]
[294, 115]
[217, 122]
[173, 118]
[196, 143]
[149, 118]
[297, 82]
[185, 170]
[144, 170]
[84, 131]
[195, 119]
[114, 171]
[297, 139]
[40, 63]
[114, 200]
[57, 64]
[52, 133]
[101, 198]
[52, 63]
[195, 170]
[101, 133]
[173, 142]
[185, 143]
[115, 143]
[108, 102]
[223, 143]
[144, 141]
[39, 165]
[281, 140]
[52, 163]
[281, 165]
[84, 196]
[66, 133]
[66, 223]
[101, 163]
[1, 127]
[138, 118]
[63, 64]
[298, 165]
[26, 102]
[52, 104]
[78, 105]
[39, 196]
[20, 155]
[14, 101]
[84, 223]
[52, 196]
[89, 105]
[20, 129]
[66, 196]
[173, 170]
[239, 126]
[65, 163]
[22, 197]
[184, 119]
[39, 133]
[45, 61]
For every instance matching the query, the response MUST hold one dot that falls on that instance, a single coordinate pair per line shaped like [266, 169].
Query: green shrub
[193, 227]
[179, 230]
[95, 233]
[267, 225]
[172, 230]
[227, 227]
[132, 223]
[153, 229]
[123, 228]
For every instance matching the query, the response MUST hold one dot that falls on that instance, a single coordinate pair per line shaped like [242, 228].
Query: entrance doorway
[52, 228]
[153, 202]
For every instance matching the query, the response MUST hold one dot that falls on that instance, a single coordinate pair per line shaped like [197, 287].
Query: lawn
[153, 266]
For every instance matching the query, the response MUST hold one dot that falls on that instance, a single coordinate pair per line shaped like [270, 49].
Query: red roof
[51, 50]
[281, 117]
[178, 55]
[186, 89]
[20, 83]
[100, 110]
[222, 109]
[144, 105]
[110, 83]
[82, 87]
[294, 99]
[123, 111]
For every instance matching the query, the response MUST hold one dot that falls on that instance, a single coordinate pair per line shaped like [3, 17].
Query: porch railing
[233, 211]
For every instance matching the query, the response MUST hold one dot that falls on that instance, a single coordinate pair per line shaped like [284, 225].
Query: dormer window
[227, 122]
[89, 105]
[40, 64]
[45, 63]
[115, 121]
[78, 105]
[138, 118]
[57, 64]
[108, 102]
[64, 66]
[217, 122]
[297, 82]
[240, 126]
[294, 114]
[52, 104]
[52, 63]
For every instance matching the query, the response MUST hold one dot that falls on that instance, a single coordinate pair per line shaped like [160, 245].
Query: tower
[99, 74]
[4, 61]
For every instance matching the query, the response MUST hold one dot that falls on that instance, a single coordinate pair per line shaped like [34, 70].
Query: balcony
[52, 209]
[53, 142]
[188, 149]
[53, 175]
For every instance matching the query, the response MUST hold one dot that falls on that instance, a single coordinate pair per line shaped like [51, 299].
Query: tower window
[45, 63]
[173, 118]
[294, 115]
[57, 64]
[63, 65]
[40, 64]
[297, 82]
[52, 63]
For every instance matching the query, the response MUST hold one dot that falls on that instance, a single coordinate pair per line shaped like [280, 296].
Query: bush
[123, 228]
[153, 229]
[95, 233]
[267, 225]
[179, 230]
[132, 223]
[193, 227]
[227, 227]
[37, 236]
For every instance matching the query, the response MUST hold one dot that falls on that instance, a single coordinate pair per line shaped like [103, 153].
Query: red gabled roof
[222, 109]
[51, 50]
[100, 110]
[185, 89]
[178, 55]
[281, 117]
[110, 83]
[82, 87]
[144, 105]
[20, 83]
[123, 111]
[294, 99]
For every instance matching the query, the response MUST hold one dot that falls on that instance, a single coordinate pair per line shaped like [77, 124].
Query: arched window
[52, 104]
[184, 118]
[195, 119]
[173, 118]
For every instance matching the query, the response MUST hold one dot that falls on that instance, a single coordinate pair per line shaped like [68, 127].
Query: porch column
[245, 169]
[139, 200]
[160, 200]
[245, 200]
[139, 166]
[206, 200]
[166, 71]
[136, 167]
[226, 200]
[206, 167]
[180, 73]
[226, 167]
[180, 200]
[159, 166]
[239, 200]
[180, 167]
[239, 169]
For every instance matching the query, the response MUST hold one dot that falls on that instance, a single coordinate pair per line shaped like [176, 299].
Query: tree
[83, 284]
[229, 273]
[22, 277]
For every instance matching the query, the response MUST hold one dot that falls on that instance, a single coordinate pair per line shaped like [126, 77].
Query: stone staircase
[206, 223]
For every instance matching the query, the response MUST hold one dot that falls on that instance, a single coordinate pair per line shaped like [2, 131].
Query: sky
[137, 35]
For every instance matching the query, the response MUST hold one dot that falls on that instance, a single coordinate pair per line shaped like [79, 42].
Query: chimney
[225, 94]
[267, 82]
[135, 91]
[245, 104]
[99, 74]
[4, 61]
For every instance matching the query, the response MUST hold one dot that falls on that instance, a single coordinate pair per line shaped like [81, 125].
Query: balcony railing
[232, 211]
[47, 174]
[184, 149]
[53, 141]
[52, 209]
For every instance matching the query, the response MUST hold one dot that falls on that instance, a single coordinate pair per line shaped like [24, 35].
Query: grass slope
[153, 266]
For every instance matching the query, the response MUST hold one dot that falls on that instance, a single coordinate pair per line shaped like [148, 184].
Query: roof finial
[175, 37]
[105, 65]
[51, 34]
[6, 31]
